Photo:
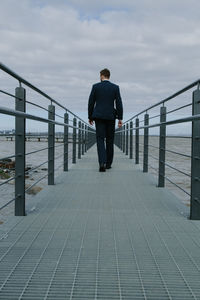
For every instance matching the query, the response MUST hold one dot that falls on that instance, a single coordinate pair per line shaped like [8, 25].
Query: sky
[152, 48]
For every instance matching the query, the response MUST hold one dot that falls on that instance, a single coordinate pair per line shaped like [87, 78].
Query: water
[7, 148]
[182, 145]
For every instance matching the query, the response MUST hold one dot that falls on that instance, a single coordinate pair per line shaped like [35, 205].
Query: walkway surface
[104, 236]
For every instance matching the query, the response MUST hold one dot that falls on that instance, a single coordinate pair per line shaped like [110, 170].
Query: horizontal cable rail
[8, 203]
[178, 153]
[11, 95]
[190, 86]
[37, 105]
[74, 140]
[172, 122]
[12, 112]
[124, 140]
[8, 180]
[169, 166]
[178, 186]
[7, 157]
[25, 82]
[30, 187]
[37, 167]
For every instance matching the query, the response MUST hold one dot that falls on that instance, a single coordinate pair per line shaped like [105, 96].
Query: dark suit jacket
[101, 102]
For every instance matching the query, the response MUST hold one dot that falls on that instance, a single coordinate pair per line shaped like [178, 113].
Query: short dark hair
[105, 73]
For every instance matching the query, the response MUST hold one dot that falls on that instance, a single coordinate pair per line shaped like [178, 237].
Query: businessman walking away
[104, 106]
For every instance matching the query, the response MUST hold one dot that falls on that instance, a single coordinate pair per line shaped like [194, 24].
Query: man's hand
[120, 123]
[91, 122]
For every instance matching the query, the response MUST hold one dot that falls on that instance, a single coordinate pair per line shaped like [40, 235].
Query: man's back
[102, 100]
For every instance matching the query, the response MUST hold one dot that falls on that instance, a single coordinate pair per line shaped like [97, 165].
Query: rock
[34, 190]
[4, 175]
[7, 164]
[27, 168]
[7, 160]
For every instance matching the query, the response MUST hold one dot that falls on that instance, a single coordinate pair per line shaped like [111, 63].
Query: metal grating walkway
[102, 236]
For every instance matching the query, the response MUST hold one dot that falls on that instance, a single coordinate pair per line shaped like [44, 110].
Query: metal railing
[78, 131]
[124, 139]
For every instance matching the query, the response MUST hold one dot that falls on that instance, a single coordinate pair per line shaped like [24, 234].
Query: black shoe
[108, 167]
[102, 168]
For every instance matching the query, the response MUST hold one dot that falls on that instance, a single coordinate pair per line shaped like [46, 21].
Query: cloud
[151, 47]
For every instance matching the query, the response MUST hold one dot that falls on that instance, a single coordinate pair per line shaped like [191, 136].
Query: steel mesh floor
[110, 235]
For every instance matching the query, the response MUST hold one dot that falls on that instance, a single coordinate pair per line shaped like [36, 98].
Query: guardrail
[83, 137]
[124, 140]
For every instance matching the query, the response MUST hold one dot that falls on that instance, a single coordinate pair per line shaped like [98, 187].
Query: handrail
[124, 140]
[12, 112]
[25, 82]
[172, 122]
[82, 136]
[166, 99]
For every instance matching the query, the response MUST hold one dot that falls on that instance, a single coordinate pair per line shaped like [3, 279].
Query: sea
[177, 170]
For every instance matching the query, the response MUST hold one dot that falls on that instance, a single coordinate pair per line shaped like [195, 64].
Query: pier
[102, 236]
[114, 235]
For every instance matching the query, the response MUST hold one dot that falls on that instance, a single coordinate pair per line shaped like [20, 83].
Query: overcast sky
[152, 47]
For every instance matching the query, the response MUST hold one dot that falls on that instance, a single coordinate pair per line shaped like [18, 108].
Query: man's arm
[119, 105]
[91, 103]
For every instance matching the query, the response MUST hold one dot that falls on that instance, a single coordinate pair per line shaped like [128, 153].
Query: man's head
[104, 74]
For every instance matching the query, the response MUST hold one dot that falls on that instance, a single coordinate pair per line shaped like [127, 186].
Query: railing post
[137, 141]
[74, 142]
[66, 141]
[123, 145]
[88, 136]
[195, 160]
[85, 133]
[51, 145]
[162, 143]
[118, 137]
[82, 139]
[79, 139]
[121, 139]
[20, 128]
[127, 139]
[93, 137]
[146, 143]
[131, 139]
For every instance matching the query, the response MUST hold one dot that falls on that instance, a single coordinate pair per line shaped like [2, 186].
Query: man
[103, 97]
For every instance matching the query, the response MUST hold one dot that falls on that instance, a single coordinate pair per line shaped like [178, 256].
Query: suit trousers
[105, 131]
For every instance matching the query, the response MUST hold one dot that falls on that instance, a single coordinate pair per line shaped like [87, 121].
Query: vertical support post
[66, 142]
[131, 140]
[51, 145]
[123, 146]
[162, 145]
[20, 129]
[146, 143]
[127, 139]
[82, 139]
[74, 142]
[88, 138]
[117, 137]
[121, 139]
[137, 141]
[79, 139]
[195, 161]
[85, 138]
